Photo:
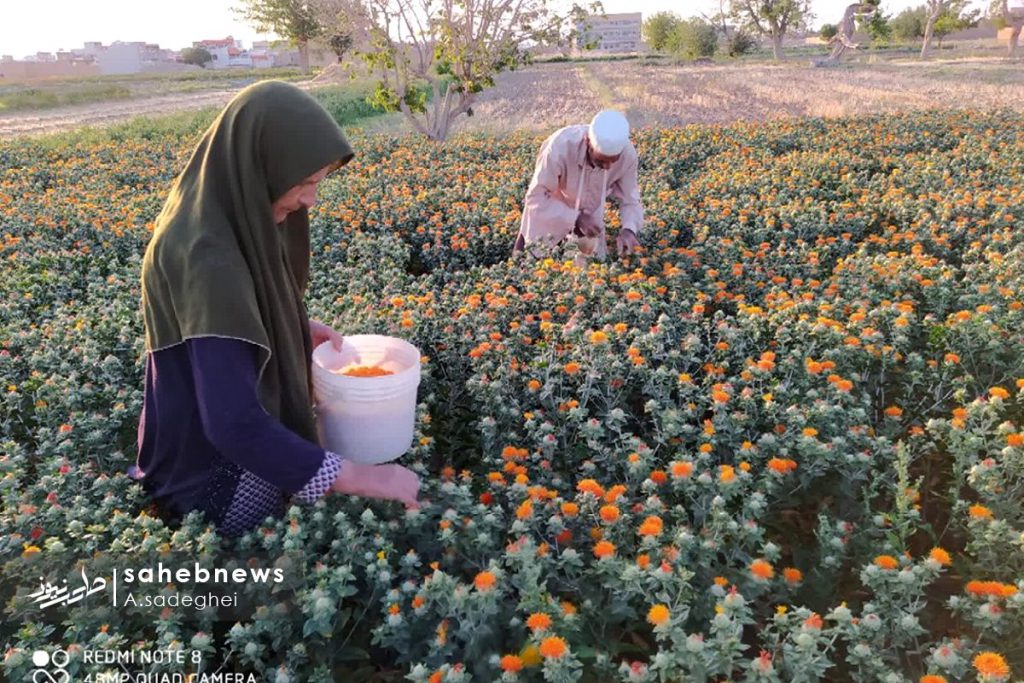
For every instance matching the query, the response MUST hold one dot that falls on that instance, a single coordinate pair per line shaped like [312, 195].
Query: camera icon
[50, 667]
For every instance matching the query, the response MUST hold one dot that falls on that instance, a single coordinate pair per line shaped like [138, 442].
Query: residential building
[611, 33]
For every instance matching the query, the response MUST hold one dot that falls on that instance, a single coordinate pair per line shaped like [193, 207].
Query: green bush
[740, 43]
[693, 38]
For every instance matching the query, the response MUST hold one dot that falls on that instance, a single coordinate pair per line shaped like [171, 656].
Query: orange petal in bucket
[363, 371]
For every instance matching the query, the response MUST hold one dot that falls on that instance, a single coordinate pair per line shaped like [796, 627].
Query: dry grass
[544, 97]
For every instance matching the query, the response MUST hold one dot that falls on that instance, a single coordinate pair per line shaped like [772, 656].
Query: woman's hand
[321, 333]
[385, 482]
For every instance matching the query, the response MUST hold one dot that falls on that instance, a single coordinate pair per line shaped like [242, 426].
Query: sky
[30, 26]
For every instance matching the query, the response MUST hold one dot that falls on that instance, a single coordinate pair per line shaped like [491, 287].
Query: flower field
[785, 443]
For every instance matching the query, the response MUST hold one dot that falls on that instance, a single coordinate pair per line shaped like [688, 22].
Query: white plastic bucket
[366, 419]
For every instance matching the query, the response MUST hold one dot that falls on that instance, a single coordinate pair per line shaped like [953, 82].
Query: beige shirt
[564, 184]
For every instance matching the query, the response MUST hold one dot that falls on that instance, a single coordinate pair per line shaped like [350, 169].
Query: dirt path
[543, 97]
[106, 113]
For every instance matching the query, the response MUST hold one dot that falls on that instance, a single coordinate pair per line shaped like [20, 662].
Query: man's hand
[321, 333]
[587, 225]
[626, 242]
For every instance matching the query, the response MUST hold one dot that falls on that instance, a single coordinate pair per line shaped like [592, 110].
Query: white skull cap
[609, 132]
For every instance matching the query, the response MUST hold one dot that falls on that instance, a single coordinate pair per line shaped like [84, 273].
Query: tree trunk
[777, 45]
[304, 56]
[1014, 38]
[929, 31]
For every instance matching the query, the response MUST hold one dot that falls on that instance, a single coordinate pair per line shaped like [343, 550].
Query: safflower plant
[783, 443]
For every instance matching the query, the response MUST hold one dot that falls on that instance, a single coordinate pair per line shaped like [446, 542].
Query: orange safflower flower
[538, 621]
[979, 512]
[681, 469]
[615, 492]
[570, 509]
[609, 513]
[941, 556]
[571, 368]
[762, 570]
[643, 561]
[810, 432]
[590, 486]
[991, 666]
[512, 663]
[932, 678]
[781, 465]
[659, 477]
[990, 589]
[893, 411]
[525, 510]
[598, 337]
[553, 647]
[652, 526]
[568, 609]
[813, 622]
[604, 549]
[792, 575]
[998, 392]
[886, 562]
[533, 385]
[726, 474]
[485, 581]
[658, 615]
[1015, 440]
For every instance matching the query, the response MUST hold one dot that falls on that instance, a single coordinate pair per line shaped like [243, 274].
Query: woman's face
[302, 196]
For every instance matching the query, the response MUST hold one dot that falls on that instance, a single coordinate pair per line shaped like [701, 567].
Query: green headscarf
[217, 265]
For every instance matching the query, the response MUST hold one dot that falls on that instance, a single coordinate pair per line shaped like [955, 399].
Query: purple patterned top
[206, 443]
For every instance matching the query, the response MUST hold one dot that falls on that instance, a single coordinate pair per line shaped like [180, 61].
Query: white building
[221, 51]
[120, 58]
[611, 33]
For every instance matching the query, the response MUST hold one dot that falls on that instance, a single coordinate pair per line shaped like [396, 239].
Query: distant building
[611, 33]
[221, 51]
[120, 58]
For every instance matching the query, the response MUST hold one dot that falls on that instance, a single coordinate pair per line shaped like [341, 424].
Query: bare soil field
[547, 96]
[543, 97]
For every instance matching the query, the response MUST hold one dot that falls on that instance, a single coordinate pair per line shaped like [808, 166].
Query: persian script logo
[49, 594]
[50, 668]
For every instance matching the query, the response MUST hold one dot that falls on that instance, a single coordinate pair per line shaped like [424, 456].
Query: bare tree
[720, 19]
[1012, 17]
[953, 14]
[344, 23]
[772, 18]
[843, 39]
[434, 56]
